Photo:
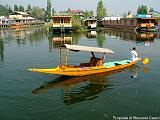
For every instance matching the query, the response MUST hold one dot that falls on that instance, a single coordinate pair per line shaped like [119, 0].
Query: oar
[145, 61]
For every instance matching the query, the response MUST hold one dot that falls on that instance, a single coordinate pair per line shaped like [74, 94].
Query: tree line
[45, 14]
[35, 11]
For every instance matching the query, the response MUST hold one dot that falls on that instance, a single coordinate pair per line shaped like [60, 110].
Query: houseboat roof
[90, 19]
[76, 11]
[148, 18]
[112, 18]
[2, 17]
[21, 13]
[60, 16]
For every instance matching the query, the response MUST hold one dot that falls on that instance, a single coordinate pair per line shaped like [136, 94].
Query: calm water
[32, 96]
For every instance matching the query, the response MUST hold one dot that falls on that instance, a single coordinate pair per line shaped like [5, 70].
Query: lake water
[24, 95]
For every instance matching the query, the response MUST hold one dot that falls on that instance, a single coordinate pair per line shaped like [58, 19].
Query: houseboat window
[56, 20]
[62, 20]
[125, 22]
[132, 22]
[67, 20]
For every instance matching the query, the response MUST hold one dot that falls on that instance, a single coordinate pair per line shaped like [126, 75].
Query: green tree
[69, 10]
[21, 8]
[38, 13]
[101, 39]
[10, 10]
[142, 9]
[101, 10]
[91, 13]
[3, 10]
[29, 9]
[48, 10]
[151, 10]
[88, 13]
[16, 8]
[129, 12]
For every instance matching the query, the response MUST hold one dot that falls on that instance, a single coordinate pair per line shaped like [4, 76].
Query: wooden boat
[93, 67]
[69, 82]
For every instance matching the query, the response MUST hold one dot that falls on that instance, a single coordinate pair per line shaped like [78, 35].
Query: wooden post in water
[60, 56]
[66, 56]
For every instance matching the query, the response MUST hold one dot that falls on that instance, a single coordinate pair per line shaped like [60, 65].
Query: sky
[114, 7]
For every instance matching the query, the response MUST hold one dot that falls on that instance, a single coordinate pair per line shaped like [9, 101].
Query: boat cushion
[116, 63]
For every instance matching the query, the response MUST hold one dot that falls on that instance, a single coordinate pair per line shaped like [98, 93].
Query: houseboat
[131, 35]
[23, 20]
[131, 23]
[91, 34]
[91, 23]
[61, 23]
[4, 22]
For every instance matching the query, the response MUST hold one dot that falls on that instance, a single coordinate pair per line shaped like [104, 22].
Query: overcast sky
[114, 7]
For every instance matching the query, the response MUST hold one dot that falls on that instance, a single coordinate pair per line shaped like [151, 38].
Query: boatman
[134, 54]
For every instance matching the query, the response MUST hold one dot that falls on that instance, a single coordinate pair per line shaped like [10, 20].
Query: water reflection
[1, 50]
[24, 35]
[91, 34]
[77, 89]
[128, 35]
[59, 40]
[21, 36]
[101, 39]
[134, 72]
[135, 69]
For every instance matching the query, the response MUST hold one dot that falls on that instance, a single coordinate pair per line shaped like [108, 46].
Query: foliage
[35, 12]
[16, 7]
[129, 12]
[142, 9]
[29, 9]
[101, 39]
[101, 10]
[48, 13]
[91, 13]
[38, 13]
[10, 10]
[88, 13]
[151, 10]
[21, 8]
[77, 28]
[76, 18]
[3, 10]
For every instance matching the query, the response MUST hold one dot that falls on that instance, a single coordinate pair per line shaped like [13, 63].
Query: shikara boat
[96, 65]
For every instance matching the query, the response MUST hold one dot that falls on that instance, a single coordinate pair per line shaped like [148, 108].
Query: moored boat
[95, 66]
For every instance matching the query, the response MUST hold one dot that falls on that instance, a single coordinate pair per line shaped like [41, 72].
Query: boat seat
[96, 61]
[116, 63]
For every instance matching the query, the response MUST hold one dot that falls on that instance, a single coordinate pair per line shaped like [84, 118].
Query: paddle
[145, 60]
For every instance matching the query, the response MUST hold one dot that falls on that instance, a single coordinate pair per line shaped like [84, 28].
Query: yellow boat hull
[83, 71]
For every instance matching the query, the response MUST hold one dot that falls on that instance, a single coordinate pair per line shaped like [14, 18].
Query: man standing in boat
[134, 54]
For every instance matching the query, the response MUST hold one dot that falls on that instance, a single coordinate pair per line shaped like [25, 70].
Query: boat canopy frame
[77, 48]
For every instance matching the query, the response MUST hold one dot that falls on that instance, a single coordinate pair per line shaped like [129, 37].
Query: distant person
[134, 54]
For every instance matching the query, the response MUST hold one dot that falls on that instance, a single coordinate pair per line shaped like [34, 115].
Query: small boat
[95, 66]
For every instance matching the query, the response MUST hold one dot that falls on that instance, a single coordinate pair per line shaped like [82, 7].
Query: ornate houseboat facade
[61, 23]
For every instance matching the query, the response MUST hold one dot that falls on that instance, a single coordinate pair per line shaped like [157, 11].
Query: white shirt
[134, 55]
